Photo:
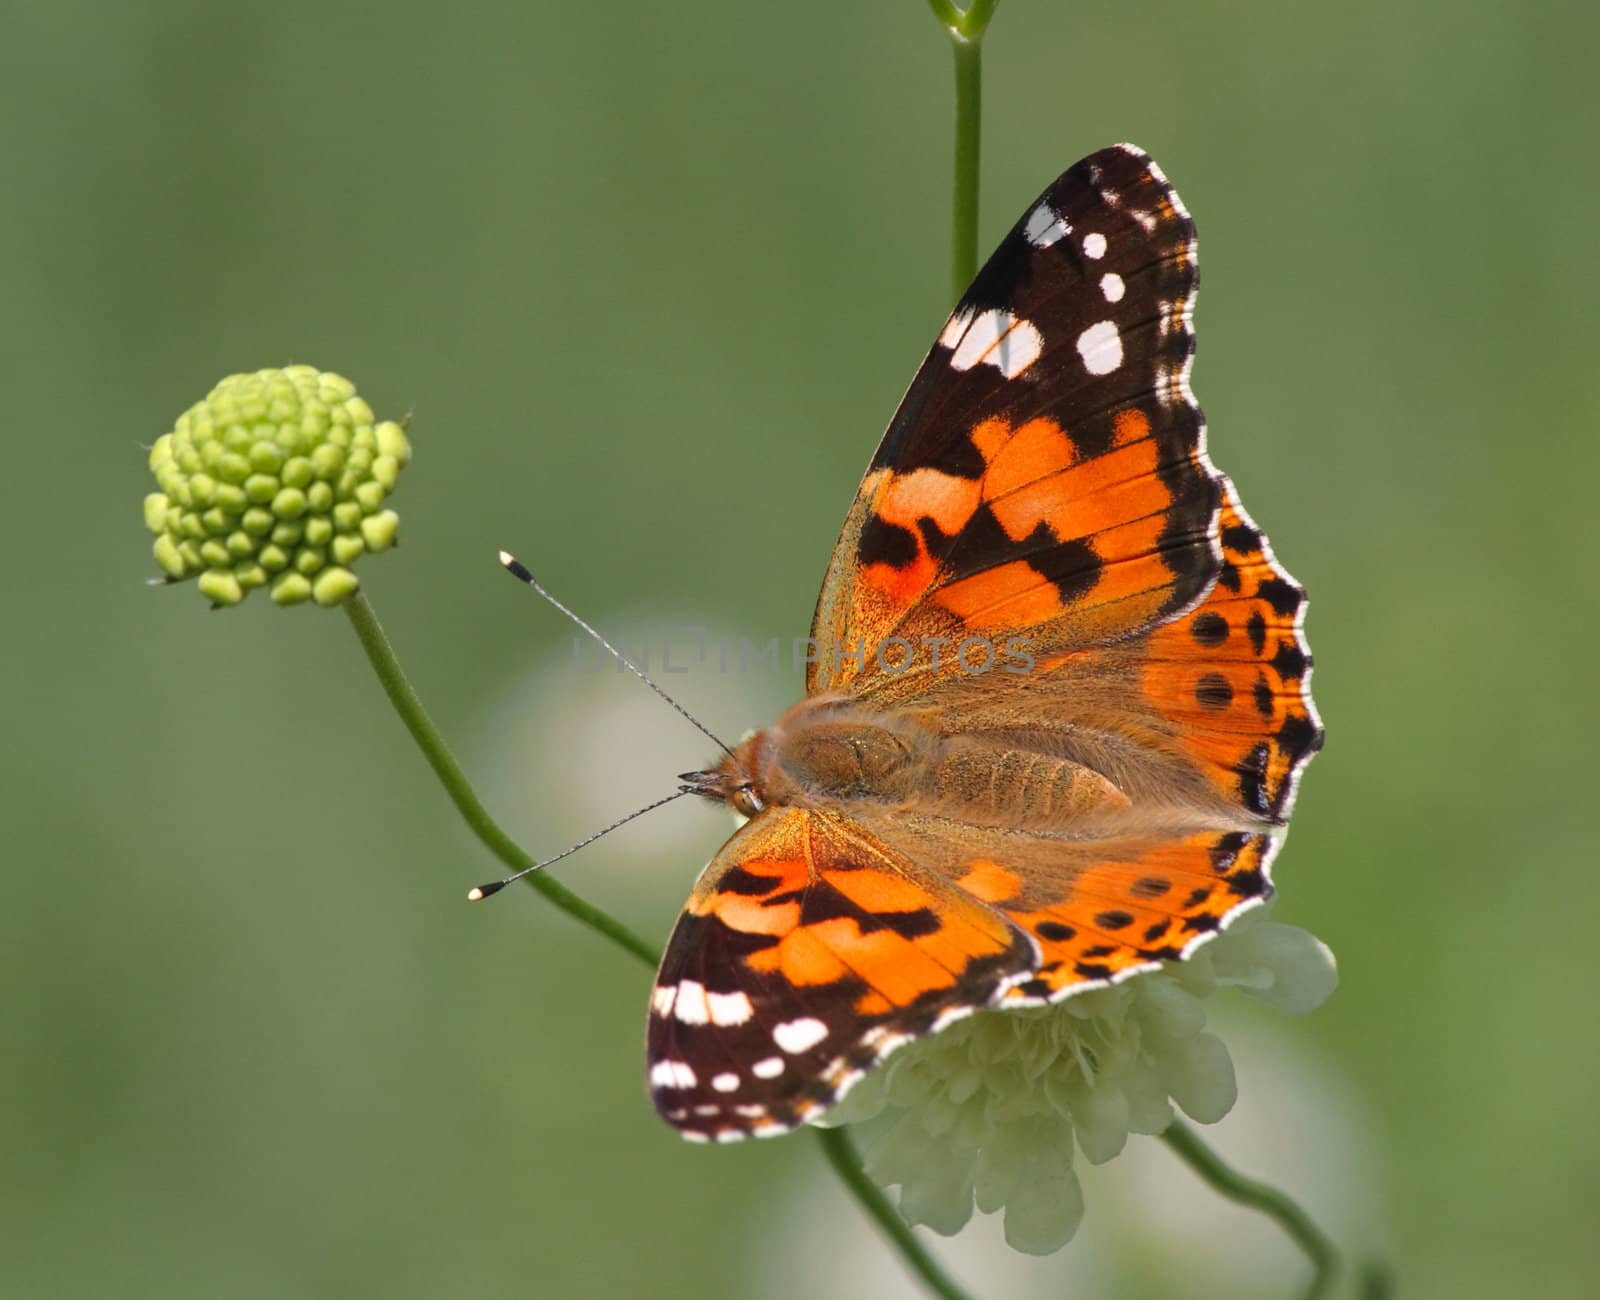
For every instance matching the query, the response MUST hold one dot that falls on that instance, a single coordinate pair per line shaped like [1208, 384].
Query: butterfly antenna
[519, 570]
[479, 892]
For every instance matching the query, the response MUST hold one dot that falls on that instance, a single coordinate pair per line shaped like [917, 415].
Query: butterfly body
[1058, 707]
[838, 754]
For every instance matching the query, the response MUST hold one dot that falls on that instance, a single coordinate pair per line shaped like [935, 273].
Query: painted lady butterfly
[927, 838]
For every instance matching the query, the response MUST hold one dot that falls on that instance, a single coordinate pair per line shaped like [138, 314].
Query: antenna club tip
[515, 566]
[480, 892]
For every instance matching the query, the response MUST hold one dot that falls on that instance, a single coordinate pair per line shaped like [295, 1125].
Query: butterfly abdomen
[989, 785]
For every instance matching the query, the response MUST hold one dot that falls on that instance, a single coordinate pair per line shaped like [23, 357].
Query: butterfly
[1058, 706]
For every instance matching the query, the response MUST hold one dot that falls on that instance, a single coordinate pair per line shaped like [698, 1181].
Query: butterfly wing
[1101, 909]
[808, 950]
[1045, 474]
[1205, 720]
[1230, 681]
[816, 944]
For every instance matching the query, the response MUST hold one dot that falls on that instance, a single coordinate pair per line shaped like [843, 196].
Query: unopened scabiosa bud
[276, 480]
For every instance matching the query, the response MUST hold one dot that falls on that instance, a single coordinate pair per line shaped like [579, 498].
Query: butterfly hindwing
[1133, 903]
[1232, 677]
[808, 950]
[1045, 474]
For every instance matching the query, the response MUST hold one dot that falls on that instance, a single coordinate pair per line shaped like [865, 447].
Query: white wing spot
[671, 1074]
[769, 1068]
[750, 1112]
[709, 1109]
[725, 1082]
[1045, 226]
[730, 1135]
[769, 1130]
[661, 999]
[997, 337]
[1018, 349]
[1100, 346]
[1112, 287]
[1094, 246]
[729, 1008]
[690, 1135]
[955, 327]
[889, 1042]
[798, 1035]
[690, 1006]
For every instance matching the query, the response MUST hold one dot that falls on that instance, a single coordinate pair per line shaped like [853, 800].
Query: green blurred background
[650, 280]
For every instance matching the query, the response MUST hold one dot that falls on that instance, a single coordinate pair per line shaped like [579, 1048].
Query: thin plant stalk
[835, 1145]
[966, 28]
[1228, 1182]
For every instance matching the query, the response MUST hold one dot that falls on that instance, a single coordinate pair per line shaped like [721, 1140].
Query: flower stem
[966, 28]
[847, 1164]
[834, 1143]
[1228, 1182]
[461, 793]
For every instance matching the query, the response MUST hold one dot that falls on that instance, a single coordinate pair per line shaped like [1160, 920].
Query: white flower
[989, 1111]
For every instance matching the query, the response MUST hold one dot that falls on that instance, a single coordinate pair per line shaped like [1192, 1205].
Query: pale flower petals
[942, 1196]
[1200, 1078]
[1100, 1115]
[1288, 968]
[991, 1111]
[1045, 1213]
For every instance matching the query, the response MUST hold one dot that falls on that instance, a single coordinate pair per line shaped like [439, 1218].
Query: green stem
[969, 118]
[834, 1143]
[966, 28]
[461, 793]
[847, 1164]
[1228, 1182]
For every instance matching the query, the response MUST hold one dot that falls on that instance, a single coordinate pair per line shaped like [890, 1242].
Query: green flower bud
[221, 587]
[333, 586]
[257, 521]
[378, 530]
[260, 488]
[291, 589]
[289, 504]
[276, 479]
[168, 556]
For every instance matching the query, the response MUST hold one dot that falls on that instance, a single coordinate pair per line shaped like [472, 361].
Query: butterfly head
[731, 782]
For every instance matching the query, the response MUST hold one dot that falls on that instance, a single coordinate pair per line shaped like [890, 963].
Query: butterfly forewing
[1045, 474]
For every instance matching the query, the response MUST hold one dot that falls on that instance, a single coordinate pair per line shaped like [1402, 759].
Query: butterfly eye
[746, 802]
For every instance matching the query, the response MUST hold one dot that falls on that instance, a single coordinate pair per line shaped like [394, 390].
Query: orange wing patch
[1065, 544]
[1143, 902]
[1234, 675]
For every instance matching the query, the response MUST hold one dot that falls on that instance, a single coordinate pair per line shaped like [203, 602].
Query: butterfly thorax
[830, 752]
